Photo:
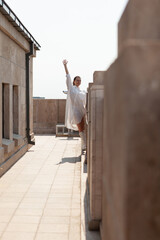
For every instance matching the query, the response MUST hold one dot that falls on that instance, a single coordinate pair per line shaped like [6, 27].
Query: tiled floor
[42, 195]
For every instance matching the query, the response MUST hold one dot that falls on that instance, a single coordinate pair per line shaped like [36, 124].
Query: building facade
[17, 49]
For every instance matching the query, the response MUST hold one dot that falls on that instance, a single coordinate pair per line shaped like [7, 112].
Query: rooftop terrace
[43, 195]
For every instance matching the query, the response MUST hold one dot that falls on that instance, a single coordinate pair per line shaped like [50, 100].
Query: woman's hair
[75, 79]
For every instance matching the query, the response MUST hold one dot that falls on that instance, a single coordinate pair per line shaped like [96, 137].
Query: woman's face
[77, 81]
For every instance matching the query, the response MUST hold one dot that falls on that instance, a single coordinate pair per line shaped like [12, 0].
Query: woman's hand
[65, 62]
[65, 66]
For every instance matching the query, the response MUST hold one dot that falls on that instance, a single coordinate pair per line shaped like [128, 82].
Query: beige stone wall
[13, 49]
[131, 173]
[126, 182]
[139, 21]
[12, 68]
[47, 113]
[131, 198]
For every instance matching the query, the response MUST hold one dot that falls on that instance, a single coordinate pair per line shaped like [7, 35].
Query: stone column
[96, 151]
[88, 127]
[131, 165]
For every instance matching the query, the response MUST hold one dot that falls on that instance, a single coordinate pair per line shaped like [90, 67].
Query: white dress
[75, 105]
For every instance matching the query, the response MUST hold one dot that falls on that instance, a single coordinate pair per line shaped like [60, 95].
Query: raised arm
[68, 78]
[65, 66]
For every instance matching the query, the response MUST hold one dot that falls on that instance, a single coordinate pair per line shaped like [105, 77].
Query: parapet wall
[46, 114]
[123, 165]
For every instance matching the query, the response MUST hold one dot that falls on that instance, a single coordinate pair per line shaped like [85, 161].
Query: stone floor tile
[59, 200]
[3, 226]
[75, 212]
[17, 236]
[10, 199]
[52, 236]
[73, 236]
[75, 228]
[29, 212]
[22, 227]
[7, 205]
[34, 200]
[39, 188]
[53, 228]
[59, 205]
[47, 206]
[34, 205]
[5, 219]
[13, 194]
[57, 212]
[26, 219]
[7, 211]
[36, 195]
[55, 219]
[75, 205]
[75, 220]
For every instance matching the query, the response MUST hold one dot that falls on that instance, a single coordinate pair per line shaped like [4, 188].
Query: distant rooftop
[14, 20]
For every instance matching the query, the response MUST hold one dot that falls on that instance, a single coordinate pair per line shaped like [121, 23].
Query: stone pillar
[96, 151]
[131, 165]
[88, 127]
[140, 20]
[31, 97]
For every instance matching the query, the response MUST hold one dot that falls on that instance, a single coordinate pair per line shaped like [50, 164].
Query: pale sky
[82, 31]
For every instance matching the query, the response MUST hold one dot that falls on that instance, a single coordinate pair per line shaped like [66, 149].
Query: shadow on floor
[84, 168]
[70, 160]
[69, 138]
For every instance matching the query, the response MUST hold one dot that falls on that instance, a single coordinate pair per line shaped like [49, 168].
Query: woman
[75, 106]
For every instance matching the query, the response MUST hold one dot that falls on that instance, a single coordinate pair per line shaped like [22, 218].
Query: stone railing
[124, 196]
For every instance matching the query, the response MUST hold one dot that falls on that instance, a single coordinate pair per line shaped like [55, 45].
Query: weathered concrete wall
[13, 49]
[140, 20]
[131, 173]
[47, 113]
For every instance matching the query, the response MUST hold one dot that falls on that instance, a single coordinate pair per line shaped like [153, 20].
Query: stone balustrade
[130, 139]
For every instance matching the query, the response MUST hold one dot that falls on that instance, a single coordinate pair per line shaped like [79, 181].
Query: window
[15, 110]
[2, 110]
[5, 111]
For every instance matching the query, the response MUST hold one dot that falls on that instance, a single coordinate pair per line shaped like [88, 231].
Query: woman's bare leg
[81, 125]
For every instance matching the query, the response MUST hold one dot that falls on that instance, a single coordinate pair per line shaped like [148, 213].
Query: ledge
[8, 145]
[17, 139]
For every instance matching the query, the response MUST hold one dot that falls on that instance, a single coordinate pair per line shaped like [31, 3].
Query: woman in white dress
[75, 106]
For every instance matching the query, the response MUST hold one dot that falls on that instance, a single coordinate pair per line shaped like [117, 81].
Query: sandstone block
[8, 145]
[131, 166]
[17, 139]
[1, 154]
[140, 20]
